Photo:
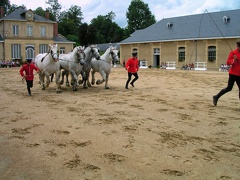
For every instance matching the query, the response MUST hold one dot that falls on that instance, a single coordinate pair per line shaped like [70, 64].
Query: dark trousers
[130, 76]
[231, 80]
[29, 85]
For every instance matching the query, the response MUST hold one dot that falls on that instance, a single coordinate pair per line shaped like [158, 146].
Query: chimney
[1, 12]
[55, 29]
[47, 14]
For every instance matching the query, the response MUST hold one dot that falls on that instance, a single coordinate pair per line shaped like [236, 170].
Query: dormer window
[226, 19]
[169, 24]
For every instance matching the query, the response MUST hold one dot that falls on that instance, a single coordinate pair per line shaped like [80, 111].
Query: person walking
[27, 73]
[234, 73]
[132, 68]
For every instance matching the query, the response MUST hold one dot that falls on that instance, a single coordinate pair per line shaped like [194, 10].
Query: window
[43, 48]
[156, 51]
[29, 30]
[226, 19]
[169, 24]
[211, 53]
[15, 30]
[62, 50]
[43, 31]
[30, 51]
[181, 54]
[16, 51]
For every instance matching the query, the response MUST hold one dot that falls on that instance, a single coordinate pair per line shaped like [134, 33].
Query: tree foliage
[87, 34]
[6, 6]
[107, 30]
[139, 16]
[39, 11]
[54, 9]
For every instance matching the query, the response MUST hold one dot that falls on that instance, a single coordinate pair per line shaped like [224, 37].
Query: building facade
[24, 34]
[204, 40]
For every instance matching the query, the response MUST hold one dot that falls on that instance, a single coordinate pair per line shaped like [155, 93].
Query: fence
[200, 66]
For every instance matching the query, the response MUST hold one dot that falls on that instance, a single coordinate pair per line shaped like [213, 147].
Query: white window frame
[43, 48]
[16, 51]
[43, 31]
[15, 30]
[29, 30]
[62, 50]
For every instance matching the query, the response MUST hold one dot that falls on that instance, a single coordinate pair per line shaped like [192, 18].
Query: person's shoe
[132, 84]
[215, 100]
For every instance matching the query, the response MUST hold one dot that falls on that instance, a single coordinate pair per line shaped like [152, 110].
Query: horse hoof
[107, 87]
[75, 89]
[58, 91]
[43, 88]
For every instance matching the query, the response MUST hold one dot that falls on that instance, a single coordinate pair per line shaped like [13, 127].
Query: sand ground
[164, 128]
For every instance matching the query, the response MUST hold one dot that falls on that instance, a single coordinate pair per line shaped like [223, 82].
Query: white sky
[159, 8]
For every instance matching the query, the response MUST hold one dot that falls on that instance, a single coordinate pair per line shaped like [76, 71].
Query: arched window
[211, 53]
[181, 54]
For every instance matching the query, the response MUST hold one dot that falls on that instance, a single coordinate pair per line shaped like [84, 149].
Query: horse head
[114, 54]
[53, 50]
[95, 52]
[80, 54]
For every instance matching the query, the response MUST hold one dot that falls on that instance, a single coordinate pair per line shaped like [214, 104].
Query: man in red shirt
[27, 73]
[132, 68]
[234, 73]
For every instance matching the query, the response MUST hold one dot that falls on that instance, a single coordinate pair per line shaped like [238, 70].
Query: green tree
[6, 6]
[54, 9]
[107, 30]
[70, 21]
[75, 13]
[139, 16]
[87, 34]
[67, 27]
[39, 11]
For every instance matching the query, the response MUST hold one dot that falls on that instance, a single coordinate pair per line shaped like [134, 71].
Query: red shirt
[28, 69]
[132, 65]
[235, 66]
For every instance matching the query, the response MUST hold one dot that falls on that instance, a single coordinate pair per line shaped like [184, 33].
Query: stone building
[203, 39]
[24, 34]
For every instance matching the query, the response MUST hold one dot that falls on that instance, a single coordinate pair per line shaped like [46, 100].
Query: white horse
[90, 52]
[104, 65]
[48, 63]
[72, 63]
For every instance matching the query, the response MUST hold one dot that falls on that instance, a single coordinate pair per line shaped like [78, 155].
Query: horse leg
[93, 77]
[41, 78]
[103, 74]
[58, 81]
[74, 80]
[106, 82]
[63, 74]
[47, 80]
[86, 76]
[80, 81]
[67, 81]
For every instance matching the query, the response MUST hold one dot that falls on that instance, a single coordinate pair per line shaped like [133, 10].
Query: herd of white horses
[80, 61]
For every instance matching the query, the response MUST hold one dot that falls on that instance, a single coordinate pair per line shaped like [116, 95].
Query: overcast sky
[159, 8]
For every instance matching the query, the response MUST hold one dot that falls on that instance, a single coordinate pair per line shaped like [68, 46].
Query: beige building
[24, 34]
[204, 40]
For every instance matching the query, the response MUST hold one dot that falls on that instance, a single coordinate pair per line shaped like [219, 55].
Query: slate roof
[200, 26]
[104, 47]
[61, 39]
[19, 15]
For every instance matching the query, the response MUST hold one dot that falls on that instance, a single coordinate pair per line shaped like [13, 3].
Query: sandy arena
[164, 128]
